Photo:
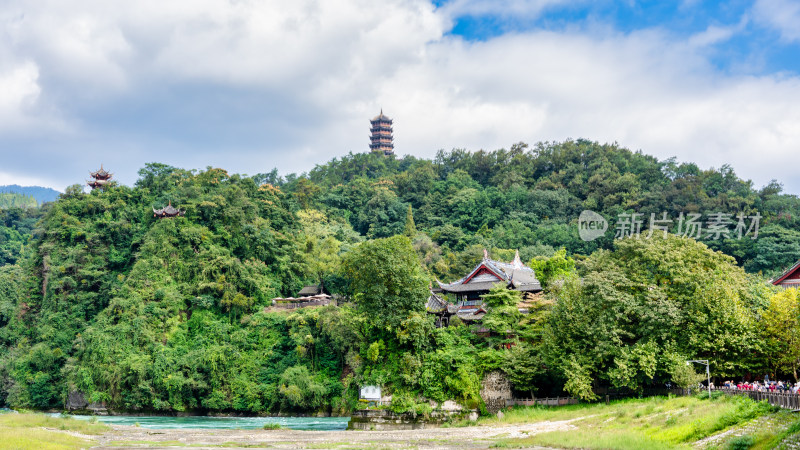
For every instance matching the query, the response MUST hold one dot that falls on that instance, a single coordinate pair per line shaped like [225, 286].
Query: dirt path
[467, 437]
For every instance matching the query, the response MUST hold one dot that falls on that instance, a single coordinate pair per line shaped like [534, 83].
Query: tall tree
[782, 331]
[410, 229]
[649, 303]
[386, 279]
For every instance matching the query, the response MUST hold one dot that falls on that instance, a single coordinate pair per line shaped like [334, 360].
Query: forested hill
[169, 314]
[41, 194]
[529, 198]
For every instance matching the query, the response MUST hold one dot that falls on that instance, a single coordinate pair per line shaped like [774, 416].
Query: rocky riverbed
[474, 437]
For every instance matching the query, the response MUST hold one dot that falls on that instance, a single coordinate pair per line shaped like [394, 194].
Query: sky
[252, 85]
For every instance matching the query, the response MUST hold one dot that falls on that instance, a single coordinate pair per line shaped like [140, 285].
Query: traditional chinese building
[312, 295]
[444, 311]
[168, 211]
[487, 273]
[469, 305]
[381, 139]
[789, 278]
[100, 178]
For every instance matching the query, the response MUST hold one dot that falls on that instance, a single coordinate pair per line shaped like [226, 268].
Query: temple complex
[101, 178]
[168, 211]
[381, 139]
[789, 278]
[468, 305]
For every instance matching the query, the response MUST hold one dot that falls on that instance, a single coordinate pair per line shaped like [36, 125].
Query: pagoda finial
[517, 262]
[485, 254]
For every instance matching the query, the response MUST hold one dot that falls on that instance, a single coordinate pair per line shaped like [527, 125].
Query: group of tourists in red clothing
[766, 386]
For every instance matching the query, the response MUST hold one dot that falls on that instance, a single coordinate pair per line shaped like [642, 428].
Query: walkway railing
[781, 399]
[544, 401]
[785, 400]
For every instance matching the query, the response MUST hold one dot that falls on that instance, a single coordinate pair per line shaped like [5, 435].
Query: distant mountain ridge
[41, 194]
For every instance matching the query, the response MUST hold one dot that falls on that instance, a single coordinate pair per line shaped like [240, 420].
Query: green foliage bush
[740, 442]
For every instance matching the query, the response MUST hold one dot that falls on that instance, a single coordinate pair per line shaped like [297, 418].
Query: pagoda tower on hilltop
[381, 139]
[101, 178]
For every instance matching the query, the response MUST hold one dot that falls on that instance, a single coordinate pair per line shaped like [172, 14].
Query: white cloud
[19, 93]
[782, 15]
[249, 85]
[503, 8]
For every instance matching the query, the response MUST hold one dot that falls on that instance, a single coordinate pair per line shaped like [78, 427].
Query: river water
[224, 423]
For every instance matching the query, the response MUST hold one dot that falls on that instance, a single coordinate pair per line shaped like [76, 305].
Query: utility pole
[708, 372]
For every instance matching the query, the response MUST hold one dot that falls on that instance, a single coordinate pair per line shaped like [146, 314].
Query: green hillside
[12, 200]
[39, 193]
[173, 314]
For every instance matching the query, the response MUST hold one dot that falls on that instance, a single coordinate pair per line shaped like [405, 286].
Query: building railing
[295, 305]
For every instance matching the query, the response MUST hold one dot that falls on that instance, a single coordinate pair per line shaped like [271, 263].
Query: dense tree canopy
[648, 305]
[99, 296]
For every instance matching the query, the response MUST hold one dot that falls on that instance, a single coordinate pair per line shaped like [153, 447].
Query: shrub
[741, 442]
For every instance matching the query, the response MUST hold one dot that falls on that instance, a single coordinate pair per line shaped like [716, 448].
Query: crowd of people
[766, 386]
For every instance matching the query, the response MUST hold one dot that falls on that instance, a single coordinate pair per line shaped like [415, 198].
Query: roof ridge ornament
[485, 254]
[517, 262]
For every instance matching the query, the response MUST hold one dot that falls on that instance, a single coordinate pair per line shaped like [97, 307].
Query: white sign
[371, 393]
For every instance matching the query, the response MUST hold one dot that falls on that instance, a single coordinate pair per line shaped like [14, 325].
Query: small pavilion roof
[101, 173]
[168, 211]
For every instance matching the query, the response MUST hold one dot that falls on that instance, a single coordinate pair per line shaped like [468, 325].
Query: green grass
[28, 431]
[770, 439]
[653, 423]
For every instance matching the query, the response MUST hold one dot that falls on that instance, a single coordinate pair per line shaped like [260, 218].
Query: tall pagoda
[101, 178]
[381, 139]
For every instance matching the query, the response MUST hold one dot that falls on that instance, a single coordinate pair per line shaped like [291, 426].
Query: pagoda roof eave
[787, 273]
[515, 275]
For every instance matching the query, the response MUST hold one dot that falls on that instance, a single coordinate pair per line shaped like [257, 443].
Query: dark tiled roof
[102, 173]
[381, 117]
[312, 289]
[470, 287]
[516, 274]
[436, 304]
[471, 316]
[168, 211]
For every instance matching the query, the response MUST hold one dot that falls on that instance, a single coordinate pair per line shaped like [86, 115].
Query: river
[224, 423]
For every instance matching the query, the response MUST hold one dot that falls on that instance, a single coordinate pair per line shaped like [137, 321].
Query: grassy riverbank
[653, 423]
[43, 432]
